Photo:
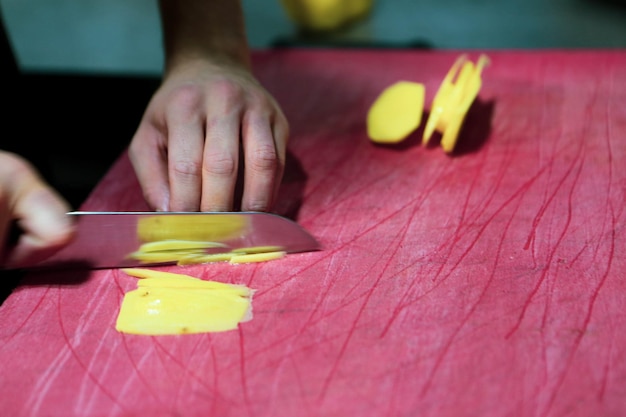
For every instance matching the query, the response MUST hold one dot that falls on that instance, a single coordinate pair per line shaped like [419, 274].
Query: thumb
[40, 213]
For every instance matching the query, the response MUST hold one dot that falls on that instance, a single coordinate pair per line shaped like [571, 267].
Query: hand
[186, 151]
[39, 211]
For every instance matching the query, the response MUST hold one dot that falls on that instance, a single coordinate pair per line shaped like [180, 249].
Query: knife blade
[107, 239]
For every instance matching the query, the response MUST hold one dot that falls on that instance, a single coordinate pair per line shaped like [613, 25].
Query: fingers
[39, 211]
[149, 159]
[264, 142]
[186, 143]
[186, 150]
[221, 150]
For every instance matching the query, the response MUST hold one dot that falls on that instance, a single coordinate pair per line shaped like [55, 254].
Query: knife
[109, 239]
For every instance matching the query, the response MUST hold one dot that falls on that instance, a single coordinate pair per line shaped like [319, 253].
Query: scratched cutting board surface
[486, 283]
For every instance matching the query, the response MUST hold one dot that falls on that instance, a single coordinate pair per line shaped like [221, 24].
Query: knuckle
[186, 168]
[219, 164]
[186, 99]
[230, 93]
[264, 159]
[258, 205]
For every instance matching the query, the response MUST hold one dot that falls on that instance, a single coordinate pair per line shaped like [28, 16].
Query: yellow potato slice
[258, 249]
[168, 303]
[396, 112]
[164, 256]
[256, 257]
[240, 290]
[151, 275]
[182, 227]
[162, 278]
[169, 311]
[441, 99]
[453, 100]
[174, 244]
[204, 259]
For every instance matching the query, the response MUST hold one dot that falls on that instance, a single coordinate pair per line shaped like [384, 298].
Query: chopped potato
[396, 112]
[163, 256]
[215, 227]
[160, 278]
[398, 109]
[166, 303]
[164, 252]
[258, 249]
[256, 257]
[205, 258]
[175, 244]
[163, 311]
[457, 92]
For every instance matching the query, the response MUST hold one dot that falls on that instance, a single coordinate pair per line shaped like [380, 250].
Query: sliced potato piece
[175, 244]
[453, 100]
[154, 273]
[232, 289]
[204, 259]
[168, 311]
[257, 249]
[396, 112]
[256, 257]
[441, 99]
[215, 227]
[163, 256]
[166, 303]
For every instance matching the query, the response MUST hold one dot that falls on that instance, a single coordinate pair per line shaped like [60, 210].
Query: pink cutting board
[489, 283]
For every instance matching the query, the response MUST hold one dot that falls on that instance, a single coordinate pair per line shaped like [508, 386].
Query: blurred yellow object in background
[325, 15]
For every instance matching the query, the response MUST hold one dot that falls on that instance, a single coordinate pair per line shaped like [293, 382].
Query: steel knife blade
[106, 239]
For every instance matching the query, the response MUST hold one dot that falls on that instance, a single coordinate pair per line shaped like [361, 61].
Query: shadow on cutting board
[476, 128]
[14, 279]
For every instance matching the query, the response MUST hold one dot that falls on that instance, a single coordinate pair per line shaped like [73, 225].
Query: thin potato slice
[154, 277]
[396, 112]
[204, 259]
[163, 256]
[256, 257]
[167, 311]
[182, 227]
[153, 273]
[239, 290]
[441, 99]
[258, 249]
[175, 244]
[166, 303]
[453, 100]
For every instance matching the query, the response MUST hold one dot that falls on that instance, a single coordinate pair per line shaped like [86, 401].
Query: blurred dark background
[89, 67]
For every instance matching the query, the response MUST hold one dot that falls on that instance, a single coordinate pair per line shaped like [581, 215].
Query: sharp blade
[106, 239]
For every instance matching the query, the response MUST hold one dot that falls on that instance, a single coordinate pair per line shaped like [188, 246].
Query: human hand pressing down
[186, 151]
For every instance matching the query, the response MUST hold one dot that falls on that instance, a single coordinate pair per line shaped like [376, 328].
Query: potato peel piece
[456, 93]
[396, 112]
